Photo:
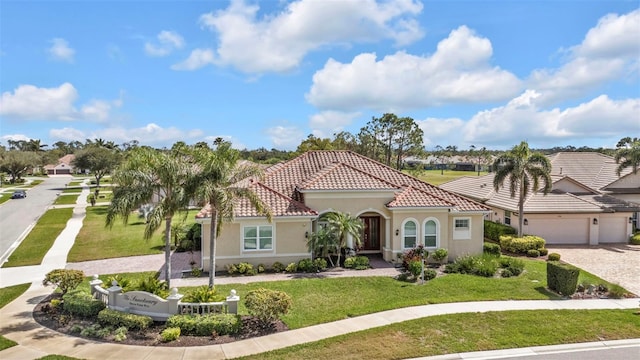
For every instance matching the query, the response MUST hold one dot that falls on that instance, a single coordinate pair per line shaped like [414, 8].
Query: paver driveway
[616, 263]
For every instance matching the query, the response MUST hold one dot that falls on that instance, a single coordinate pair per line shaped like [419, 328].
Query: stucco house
[63, 167]
[589, 203]
[399, 211]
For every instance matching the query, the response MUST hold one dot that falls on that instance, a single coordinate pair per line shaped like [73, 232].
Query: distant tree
[314, 143]
[628, 154]
[523, 170]
[100, 161]
[390, 138]
[443, 157]
[344, 140]
[16, 163]
[479, 157]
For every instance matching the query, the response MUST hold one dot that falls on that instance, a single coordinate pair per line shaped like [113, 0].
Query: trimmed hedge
[491, 248]
[493, 230]
[206, 325]
[562, 278]
[635, 239]
[357, 263]
[521, 245]
[81, 303]
[553, 257]
[114, 318]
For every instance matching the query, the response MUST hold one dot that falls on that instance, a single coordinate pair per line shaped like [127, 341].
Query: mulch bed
[53, 319]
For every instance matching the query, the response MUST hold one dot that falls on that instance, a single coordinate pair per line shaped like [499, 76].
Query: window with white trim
[507, 217]
[462, 228]
[430, 234]
[410, 234]
[258, 237]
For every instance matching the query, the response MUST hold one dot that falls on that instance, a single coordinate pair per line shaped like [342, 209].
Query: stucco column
[232, 302]
[95, 282]
[114, 290]
[174, 299]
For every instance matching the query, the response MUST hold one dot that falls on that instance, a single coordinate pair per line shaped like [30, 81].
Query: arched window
[431, 233]
[410, 234]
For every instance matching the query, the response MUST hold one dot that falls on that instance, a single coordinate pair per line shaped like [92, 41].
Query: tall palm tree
[628, 154]
[218, 182]
[342, 224]
[151, 175]
[524, 170]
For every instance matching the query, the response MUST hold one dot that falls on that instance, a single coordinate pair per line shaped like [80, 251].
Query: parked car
[19, 194]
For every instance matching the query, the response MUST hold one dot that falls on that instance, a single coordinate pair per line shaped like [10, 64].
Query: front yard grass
[35, 246]
[66, 199]
[447, 334]
[434, 177]
[95, 241]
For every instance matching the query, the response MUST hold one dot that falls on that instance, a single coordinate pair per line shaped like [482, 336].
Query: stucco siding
[471, 246]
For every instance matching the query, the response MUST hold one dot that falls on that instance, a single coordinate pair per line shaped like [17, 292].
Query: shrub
[170, 334]
[485, 266]
[81, 303]
[462, 265]
[202, 294]
[94, 331]
[152, 285]
[278, 267]
[357, 262]
[415, 267]
[514, 266]
[553, 257]
[306, 265]
[440, 254]
[350, 262]
[562, 278]
[616, 292]
[245, 268]
[206, 325]
[320, 264]
[506, 273]
[493, 230]
[120, 334]
[429, 274]
[261, 268]
[108, 317]
[64, 279]
[232, 269]
[414, 254]
[481, 265]
[125, 283]
[291, 268]
[267, 305]
[533, 253]
[521, 245]
[635, 239]
[543, 251]
[491, 248]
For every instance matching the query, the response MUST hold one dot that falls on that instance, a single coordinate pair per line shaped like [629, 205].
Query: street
[17, 216]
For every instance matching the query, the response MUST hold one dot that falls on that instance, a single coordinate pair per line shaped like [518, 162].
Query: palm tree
[342, 224]
[151, 175]
[322, 244]
[524, 170]
[628, 154]
[218, 182]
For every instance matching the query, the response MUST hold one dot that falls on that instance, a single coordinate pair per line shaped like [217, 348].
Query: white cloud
[279, 42]
[199, 58]
[15, 137]
[168, 42]
[522, 118]
[326, 123]
[439, 131]
[458, 72]
[609, 51]
[61, 51]
[151, 134]
[284, 137]
[33, 103]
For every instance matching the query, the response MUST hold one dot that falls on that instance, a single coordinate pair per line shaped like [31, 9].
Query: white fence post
[174, 299]
[95, 282]
[114, 290]
[232, 302]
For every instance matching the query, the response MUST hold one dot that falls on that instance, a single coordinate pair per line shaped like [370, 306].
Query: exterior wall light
[397, 232]
[526, 222]
[306, 234]
[595, 221]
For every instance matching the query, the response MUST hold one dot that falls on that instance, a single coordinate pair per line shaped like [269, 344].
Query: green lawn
[66, 199]
[447, 334]
[95, 241]
[4, 197]
[35, 246]
[434, 177]
[7, 295]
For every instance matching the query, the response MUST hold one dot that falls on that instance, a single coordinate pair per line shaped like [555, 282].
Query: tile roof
[589, 168]
[284, 184]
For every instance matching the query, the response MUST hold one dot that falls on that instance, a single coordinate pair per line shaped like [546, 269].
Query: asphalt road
[17, 216]
[619, 353]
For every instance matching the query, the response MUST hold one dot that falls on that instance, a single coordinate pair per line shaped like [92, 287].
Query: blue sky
[269, 73]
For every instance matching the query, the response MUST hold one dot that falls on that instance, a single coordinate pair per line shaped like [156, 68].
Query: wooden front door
[371, 236]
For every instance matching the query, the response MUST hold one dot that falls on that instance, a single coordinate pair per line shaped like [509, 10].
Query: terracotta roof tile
[412, 197]
[340, 176]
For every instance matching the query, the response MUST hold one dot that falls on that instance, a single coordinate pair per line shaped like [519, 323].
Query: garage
[613, 230]
[560, 231]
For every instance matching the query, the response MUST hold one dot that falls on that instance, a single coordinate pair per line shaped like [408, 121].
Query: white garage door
[613, 230]
[560, 231]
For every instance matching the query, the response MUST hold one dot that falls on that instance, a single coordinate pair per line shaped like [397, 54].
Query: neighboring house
[63, 167]
[399, 211]
[589, 204]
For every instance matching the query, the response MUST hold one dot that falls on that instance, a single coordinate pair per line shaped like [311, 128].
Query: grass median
[35, 246]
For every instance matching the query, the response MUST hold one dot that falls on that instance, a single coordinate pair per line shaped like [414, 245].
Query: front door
[371, 236]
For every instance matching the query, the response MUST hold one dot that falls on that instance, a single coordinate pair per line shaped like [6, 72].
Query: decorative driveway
[616, 263]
